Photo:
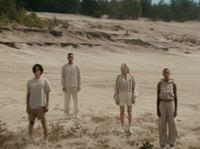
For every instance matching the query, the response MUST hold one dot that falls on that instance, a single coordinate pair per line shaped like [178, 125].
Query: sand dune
[100, 46]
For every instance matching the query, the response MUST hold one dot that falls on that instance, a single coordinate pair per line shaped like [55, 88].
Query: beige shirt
[71, 75]
[166, 89]
[37, 89]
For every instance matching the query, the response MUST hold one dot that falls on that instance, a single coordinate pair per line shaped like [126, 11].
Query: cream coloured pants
[167, 117]
[71, 91]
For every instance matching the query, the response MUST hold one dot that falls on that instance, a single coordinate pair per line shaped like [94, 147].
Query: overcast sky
[167, 1]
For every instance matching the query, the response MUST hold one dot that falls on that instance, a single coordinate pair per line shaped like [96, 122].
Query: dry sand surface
[100, 46]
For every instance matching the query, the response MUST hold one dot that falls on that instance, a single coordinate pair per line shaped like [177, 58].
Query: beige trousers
[71, 91]
[167, 117]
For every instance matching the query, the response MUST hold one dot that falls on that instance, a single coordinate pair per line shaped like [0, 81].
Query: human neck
[124, 75]
[37, 77]
[70, 63]
[166, 79]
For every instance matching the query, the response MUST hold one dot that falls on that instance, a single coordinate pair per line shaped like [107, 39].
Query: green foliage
[177, 10]
[199, 17]
[103, 7]
[37, 22]
[50, 24]
[55, 20]
[14, 24]
[116, 10]
[4, 19]
[147, 145]
[125, 9]
[146, 8]
[132, 9]
[65, 25]
[28, 21]
[98, 14]
[21, 15]
[88, 7]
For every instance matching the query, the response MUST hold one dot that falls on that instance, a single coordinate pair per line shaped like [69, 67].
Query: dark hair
[39, 66]
[166, 69]
[70, 54]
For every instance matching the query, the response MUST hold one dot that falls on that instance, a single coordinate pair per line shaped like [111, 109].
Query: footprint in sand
[56, 108]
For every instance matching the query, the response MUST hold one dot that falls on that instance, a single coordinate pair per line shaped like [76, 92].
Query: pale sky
[167, 1]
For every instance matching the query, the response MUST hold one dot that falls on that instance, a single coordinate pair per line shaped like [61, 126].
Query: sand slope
[100, 46]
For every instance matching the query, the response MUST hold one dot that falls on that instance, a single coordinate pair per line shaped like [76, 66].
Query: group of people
[125, 93]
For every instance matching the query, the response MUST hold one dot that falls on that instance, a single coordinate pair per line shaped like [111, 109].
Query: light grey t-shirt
[37, 90]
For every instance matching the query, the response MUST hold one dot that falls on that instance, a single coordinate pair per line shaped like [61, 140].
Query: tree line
[176, 10]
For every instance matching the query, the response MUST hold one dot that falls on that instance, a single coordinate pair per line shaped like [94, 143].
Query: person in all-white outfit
[125, 92]
[71, 84]
[167, 109]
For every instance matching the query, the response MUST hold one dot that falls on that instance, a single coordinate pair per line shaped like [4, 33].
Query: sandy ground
[148, 48]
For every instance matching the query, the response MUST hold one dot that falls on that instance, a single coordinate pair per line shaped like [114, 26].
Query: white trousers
[167, 116]
[71, 91]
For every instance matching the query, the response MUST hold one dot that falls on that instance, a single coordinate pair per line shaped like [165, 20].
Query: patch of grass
[21, 15]
[14, 24]
[1, 30]
[55, 20]
[147, 145]
[37, 22]
[28, 21]
[50, 24]
[31, 20]
[4, 19]
[65, 25]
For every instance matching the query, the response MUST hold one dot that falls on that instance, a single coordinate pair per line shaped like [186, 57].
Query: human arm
[46, 108]
[175, 100]
[27, 98]
[116, 92]
[27, 102]
[79, 79]
[158, 100]
[47, 90]
[134, 89]
[63, 79]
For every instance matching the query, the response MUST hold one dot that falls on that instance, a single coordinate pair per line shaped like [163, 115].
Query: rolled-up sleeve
[63, 76]
[134, 88]
[47, 86]
[116, 91]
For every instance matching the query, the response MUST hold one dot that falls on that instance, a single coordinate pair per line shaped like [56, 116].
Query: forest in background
[14, 11]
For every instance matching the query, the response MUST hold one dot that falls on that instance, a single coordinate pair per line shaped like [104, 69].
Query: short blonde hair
[124, 65]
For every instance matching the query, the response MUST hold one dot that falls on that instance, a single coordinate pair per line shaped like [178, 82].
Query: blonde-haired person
[125, 92]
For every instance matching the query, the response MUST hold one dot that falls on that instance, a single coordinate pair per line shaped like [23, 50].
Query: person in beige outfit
[167, 109]
[71, 84]
[37, 101]
[125, 92]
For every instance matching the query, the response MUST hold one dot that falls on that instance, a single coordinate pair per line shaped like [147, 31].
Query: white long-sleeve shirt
[71, 75]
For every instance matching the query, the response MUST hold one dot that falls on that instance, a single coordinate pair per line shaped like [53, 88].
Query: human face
[70, 58]
[125, 70]
[37, 72]
[166, 74]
